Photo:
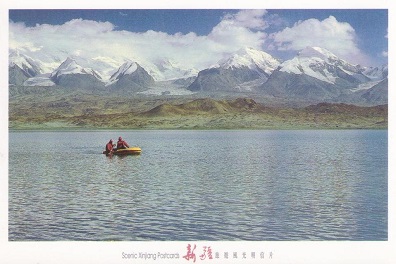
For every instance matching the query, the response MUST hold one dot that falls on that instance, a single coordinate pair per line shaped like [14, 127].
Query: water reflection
[200, 185]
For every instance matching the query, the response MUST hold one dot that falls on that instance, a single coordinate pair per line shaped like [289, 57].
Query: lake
[199, 185]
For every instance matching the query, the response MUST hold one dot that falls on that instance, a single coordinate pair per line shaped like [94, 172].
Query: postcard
[196, 133]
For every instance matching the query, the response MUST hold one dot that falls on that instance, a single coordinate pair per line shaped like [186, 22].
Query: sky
[199, 37]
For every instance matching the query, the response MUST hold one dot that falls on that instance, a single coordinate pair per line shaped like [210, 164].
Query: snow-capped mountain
[323, 65]
[376, 73]
[253, 59]
[161, 69]
[164, 69]
[127, 68]
[71, 74]
[70, 66]
[247, 65]
[28, 65]
[315, 73]
[130, 77]
[21, 68]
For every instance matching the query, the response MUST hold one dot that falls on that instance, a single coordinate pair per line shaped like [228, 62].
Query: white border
[111, 252]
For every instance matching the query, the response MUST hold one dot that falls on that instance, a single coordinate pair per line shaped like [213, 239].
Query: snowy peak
[252, 59]
[70, 66]
[316, 52]
[168, 69]
[126, 68]
[130, 76]
[323, 65]
[25, 63]
[242, 71]
[71, 74]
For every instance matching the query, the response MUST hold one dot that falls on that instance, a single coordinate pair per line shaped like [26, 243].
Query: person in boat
[109, 147]
[121, 144]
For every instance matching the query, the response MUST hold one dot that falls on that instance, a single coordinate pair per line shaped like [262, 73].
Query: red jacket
[122, 144]
[109, 147]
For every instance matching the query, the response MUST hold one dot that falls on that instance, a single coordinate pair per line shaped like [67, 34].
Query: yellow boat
[127, 151]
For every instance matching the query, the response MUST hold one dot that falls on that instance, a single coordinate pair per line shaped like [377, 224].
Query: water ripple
[200, 185]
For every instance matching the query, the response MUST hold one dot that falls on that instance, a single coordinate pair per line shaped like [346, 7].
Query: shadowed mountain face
[219, 79]
[17, 76]
[130, 77]
[244, 66]
[82, 81]
[378, 94]
[282, 84]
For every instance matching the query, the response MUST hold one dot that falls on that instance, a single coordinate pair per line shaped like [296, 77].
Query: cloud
[102, 45]
[252, 19]
[101, 42]
[338, 37]
[242, 29]
[385, 53]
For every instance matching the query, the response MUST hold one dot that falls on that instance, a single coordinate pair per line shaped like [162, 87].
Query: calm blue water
[199, 185]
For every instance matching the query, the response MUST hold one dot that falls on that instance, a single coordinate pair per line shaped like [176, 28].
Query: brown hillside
[198, 106]
[207, 106]
[248, 105]
[329, 108]
[164, 110]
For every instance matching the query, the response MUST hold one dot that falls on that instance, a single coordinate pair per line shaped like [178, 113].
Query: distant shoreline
[32, 128]
[71, 113]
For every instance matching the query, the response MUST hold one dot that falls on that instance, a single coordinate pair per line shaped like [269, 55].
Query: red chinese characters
[206, 250]
[190, 253]
[206, 254]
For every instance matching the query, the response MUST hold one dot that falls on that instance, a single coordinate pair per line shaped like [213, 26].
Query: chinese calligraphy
[206, 253]
[190, 253]
[209, 251]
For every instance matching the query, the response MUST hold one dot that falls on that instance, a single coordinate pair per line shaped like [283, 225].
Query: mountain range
[245, 66]
[314, 74]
